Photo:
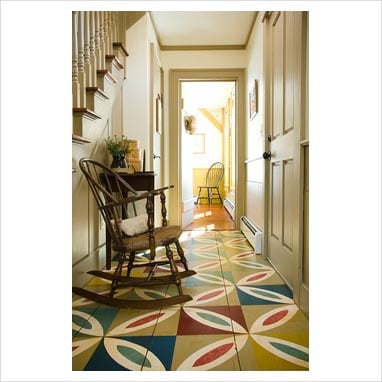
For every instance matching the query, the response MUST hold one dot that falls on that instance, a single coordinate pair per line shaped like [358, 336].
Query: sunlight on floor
[189, 234]
[202, 215]
[210, 217]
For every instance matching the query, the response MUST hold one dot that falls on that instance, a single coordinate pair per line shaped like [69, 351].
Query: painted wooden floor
[211, 217]
[241, 318]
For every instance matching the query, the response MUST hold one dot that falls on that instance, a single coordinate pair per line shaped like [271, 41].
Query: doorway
[208, 116]
[181, 201]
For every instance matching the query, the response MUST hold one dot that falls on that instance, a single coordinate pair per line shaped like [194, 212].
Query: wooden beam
[212, 119]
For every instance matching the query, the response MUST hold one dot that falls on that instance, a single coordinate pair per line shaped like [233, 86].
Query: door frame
[175, 144]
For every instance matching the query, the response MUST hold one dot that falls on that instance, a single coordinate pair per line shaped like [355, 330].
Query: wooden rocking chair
[131, 234]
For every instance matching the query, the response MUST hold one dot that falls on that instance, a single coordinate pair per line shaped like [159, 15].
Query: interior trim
[202, 47]
[174, 142]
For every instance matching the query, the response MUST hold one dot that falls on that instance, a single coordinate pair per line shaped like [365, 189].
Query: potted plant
[117, 147]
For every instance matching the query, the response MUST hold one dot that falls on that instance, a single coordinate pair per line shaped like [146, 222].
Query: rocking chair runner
[212, 182]
[132, 235]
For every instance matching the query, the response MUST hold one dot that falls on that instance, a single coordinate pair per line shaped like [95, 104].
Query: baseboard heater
[252, 233]
[229, 207]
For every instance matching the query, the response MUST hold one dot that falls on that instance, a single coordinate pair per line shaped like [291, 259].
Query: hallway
[241, 317]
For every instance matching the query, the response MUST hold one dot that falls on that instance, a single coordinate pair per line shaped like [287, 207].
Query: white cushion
[134, 226]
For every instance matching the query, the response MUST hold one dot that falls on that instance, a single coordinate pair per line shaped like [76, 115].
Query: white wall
[213, 141]
[137, 104]
[255, 130]
[203, 59]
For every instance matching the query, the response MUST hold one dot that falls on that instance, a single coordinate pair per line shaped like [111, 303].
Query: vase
[118, 161]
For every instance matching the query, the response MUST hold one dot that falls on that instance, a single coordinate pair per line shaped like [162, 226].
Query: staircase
[98, 69]
[99, 62]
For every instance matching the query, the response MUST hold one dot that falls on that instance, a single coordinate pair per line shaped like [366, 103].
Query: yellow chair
[212, 182]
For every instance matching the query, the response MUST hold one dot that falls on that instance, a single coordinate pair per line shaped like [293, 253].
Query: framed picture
[198, 144]
[158, 109]
[253, 100]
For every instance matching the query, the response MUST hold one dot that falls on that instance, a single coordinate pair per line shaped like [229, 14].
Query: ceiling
[206, 94]
[203, 30]
[200, 31]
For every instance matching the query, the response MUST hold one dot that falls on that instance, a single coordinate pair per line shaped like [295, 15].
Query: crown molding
[202, 47]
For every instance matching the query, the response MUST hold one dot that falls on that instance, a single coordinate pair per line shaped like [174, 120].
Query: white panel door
[282, 193]
[157, 120]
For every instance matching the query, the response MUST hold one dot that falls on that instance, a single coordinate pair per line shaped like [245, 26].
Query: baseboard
[252, 233]
[229, 206]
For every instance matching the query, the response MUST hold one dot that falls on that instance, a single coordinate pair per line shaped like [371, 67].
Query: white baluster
[81, 61]
[110, 33]
[101, 56]
[114, 23]
[87, 65]
[93, 59]
[106, 33]
[97, 40]
[75, 83]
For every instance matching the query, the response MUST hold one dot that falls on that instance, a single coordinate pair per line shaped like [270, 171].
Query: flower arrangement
[189, 123]
[117, 146]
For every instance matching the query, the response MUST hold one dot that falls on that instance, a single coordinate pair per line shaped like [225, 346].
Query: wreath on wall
[190, 124]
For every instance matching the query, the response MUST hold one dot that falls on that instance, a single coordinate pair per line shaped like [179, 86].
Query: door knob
[267, 155]
[156, 156]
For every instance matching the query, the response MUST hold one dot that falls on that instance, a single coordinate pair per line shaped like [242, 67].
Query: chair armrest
[113, 211]
[135, 198]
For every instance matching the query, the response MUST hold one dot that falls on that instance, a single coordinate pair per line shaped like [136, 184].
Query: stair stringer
[88, 232]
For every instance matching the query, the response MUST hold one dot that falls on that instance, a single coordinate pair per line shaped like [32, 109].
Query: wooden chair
[212, 182]
[131, 234]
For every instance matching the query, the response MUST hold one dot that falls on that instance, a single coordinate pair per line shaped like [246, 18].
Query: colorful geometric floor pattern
[242, 317]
